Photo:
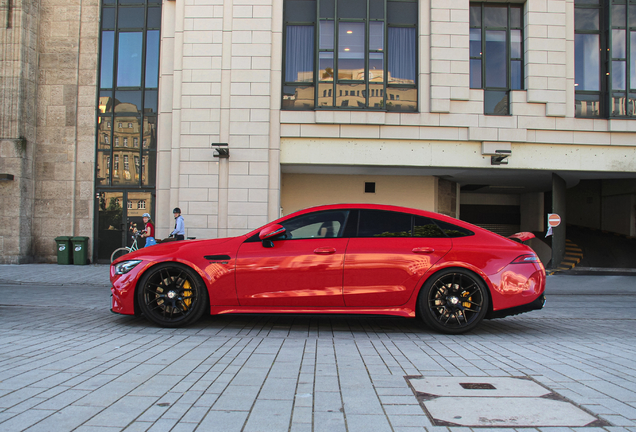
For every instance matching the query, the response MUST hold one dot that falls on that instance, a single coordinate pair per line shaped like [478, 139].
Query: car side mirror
[268, 233]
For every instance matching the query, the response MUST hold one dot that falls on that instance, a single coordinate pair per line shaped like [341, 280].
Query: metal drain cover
[495, 401]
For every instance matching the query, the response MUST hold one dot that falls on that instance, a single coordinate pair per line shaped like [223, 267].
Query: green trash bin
[80, 250]
[64, 250]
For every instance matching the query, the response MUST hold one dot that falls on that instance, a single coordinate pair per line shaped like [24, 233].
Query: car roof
[385, 207]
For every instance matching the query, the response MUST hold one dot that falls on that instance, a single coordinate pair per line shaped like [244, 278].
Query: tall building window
[128, 82]
[588, 22]
[496, 53]
[605, 58]
[350, 54]
[622, 59]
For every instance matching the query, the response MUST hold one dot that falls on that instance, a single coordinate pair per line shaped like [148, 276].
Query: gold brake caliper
[465, 295]
[187, 293]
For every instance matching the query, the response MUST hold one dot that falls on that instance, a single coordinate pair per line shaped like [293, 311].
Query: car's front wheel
[172, 295]
[453, 301]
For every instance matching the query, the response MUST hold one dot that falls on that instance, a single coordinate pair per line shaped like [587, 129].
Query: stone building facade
[227, 75]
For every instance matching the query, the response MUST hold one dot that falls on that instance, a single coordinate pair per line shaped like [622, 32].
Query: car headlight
[125, 266]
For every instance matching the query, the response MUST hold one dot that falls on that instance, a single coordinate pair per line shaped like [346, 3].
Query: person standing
[149, 230]
[179, 227]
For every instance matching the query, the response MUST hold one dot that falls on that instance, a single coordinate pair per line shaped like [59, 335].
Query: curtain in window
[299, 58]
[402, 58]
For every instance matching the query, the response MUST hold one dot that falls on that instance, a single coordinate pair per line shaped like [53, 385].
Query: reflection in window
[129, 59]
[152, 59]
[622, 67]
[129, 77]
[378, 223]
[604, 83]
[316, 225]
[425, 227]
[496, 53]
[108, 49]
[359, 52]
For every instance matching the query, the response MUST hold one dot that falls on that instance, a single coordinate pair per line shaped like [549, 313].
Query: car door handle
[423, 250]
[325, 250]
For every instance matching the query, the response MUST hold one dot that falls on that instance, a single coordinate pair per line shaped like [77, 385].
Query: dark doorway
[119, 213]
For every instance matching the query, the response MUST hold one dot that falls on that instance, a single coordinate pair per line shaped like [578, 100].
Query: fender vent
[217, 257]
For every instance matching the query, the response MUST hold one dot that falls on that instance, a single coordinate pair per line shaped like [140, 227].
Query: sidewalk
[54, 274]
[71, 364]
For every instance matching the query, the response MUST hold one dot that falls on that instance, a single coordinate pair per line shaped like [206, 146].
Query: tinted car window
[378, 223]
[453, 230]
[326, 224]
[425, 227]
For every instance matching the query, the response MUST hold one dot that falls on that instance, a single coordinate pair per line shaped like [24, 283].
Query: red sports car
[345, 259]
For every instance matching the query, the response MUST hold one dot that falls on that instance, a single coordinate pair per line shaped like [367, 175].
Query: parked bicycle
[124, 250]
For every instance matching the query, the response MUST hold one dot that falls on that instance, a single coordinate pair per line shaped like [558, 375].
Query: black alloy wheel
[453, 301]
[172, 295]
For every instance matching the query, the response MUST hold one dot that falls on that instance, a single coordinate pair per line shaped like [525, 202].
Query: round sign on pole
[554, 220]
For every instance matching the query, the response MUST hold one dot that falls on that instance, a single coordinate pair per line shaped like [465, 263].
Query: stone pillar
[558, 207]
[66, 102]
[18, 81]
[546, 45]
[450, 59]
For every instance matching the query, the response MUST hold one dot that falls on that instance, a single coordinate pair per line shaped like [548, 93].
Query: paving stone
[94, 370]
[272, 415]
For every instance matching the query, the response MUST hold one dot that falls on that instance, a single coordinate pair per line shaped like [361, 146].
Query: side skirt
[406, 312]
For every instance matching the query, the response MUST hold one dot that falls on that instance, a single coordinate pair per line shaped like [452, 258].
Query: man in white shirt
[179, 227]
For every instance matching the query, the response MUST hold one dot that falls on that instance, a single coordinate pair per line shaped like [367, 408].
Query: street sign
[554, 220]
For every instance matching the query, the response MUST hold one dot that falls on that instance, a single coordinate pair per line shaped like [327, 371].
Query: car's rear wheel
[453, 301]
[172, 295]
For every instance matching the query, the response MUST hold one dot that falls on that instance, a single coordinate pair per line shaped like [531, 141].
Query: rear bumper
[534, 305]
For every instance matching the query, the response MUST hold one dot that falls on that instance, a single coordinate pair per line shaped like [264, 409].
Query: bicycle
[124, 250]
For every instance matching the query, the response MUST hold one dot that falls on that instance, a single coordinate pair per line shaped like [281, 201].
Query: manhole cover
[496, 401]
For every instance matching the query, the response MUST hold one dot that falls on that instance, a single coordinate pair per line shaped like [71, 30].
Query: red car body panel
[304, 272]
[338, 275]
[382, 272]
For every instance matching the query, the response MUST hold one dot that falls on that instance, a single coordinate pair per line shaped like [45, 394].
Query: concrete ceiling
[499, 179]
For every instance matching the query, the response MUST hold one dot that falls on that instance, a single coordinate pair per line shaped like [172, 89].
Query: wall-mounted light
[6, 177]
[498, 152]
[501, 158]
[221, 150]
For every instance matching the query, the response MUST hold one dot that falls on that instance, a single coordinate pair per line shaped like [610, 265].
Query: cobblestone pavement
[67, 363]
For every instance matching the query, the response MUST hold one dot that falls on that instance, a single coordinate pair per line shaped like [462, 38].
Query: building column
[558, 207]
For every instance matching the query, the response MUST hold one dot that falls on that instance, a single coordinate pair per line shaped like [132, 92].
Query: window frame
[509, 59]
[630, 88]
[107, 115]
[330, 87]
[602, 91]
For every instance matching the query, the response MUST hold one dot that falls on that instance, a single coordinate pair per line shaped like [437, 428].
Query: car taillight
[528, 258]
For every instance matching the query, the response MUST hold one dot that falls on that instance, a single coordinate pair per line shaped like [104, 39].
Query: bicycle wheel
[119, 252]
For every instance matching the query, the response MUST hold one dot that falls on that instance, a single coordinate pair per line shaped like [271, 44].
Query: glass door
[120, 212]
